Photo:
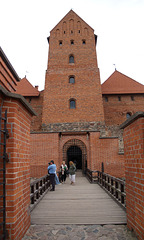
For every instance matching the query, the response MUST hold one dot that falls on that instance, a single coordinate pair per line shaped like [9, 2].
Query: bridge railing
[92, 176]
[38, 189]
[115, 187]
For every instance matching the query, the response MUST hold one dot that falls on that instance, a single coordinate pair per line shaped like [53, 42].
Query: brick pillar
[17, 169]
[134, 163]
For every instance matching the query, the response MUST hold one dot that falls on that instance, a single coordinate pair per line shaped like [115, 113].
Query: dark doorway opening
[74, 154]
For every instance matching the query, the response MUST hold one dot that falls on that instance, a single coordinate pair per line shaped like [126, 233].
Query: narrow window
[119, 98]
[71, 32]
[78, 31]
[64, 32]
[106, 99]
[72, 104]
[128, 115]
[83, 42]
[60, 43]
[71, 79]
[72, 42]
[71, 59]
[132, 98]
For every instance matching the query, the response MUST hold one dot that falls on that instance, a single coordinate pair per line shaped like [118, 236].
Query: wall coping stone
[131, 119]
[18, 97]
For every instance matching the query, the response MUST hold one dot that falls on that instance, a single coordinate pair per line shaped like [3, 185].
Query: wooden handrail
[38, 189]
[115, 187]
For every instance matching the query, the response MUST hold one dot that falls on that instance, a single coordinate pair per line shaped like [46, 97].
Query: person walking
[72, 170]
[63, 170]
[52, 171]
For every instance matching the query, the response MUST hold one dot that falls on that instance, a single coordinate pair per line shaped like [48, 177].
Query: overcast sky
[119, 25]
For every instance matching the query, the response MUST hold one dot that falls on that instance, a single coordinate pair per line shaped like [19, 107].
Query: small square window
[71, 59]
[72, 104]
[84, 42]
[71, 79]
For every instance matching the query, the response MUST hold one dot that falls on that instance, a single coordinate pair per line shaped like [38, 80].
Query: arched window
[71, 59]
[71, 79]
[128, 115]
[72, 104]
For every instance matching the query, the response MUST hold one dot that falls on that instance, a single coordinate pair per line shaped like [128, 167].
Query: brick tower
[72, 86]
[73, 127]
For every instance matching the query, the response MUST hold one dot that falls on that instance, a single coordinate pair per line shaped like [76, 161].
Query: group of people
[64, 171]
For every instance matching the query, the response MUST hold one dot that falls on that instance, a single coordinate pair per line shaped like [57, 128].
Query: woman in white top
[63, 170]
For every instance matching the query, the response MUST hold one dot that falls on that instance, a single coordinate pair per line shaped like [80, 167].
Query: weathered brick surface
[17, 169]
[44, 148]
[115, 111]
[134, 164]
[36, 103]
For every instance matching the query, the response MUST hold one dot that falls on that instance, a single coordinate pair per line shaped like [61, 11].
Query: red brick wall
[17, 169]
[134, 163]
[87, 89]
[36, 103]
[106, 150]
[115, 111]
[44, 148]
[48, 146]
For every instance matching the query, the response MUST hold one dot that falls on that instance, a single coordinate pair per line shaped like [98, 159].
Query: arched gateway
[75, 150]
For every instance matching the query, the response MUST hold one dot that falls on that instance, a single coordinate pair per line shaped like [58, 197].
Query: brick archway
[79, 144]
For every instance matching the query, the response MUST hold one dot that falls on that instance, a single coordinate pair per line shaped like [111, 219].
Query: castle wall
[50, 146]
[17, 167]
[115, 111]
[134, 164]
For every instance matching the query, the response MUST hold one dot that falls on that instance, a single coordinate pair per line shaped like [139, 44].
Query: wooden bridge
[83, 203]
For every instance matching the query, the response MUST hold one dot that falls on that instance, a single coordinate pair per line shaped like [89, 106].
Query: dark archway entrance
[74, 154]
[75, 150]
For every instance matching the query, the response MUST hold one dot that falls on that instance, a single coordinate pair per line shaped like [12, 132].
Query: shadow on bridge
[83, 203]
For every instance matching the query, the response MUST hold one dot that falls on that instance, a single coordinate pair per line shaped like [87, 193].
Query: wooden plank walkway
[83, 203]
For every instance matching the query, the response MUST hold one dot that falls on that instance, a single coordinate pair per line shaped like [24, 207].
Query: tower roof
[119, 83]
[71, 12]
[25, 88]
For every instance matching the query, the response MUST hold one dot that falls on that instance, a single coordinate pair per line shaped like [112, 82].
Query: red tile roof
[25, 88]
[119, 83]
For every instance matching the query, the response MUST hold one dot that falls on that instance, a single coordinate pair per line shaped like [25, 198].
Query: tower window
[71, 79]
[64, 32]
[72, 42]
[71, 32]
[71, 59]
[60, 43]
[72, 104]
[128, 115]
[78, 31]
[83, 42]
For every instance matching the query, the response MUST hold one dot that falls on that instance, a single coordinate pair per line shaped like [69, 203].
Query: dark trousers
[63, 177]
[52, 181]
